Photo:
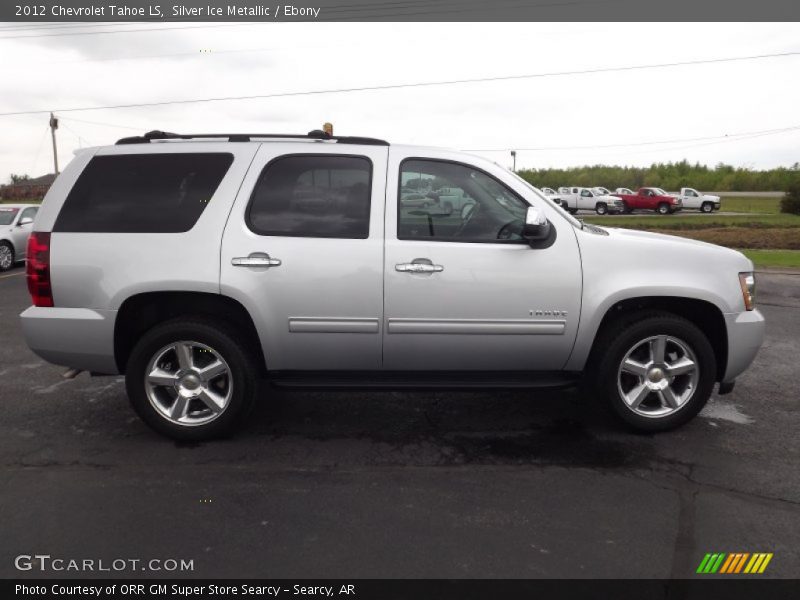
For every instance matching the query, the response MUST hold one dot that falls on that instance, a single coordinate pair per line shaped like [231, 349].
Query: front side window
[324, 196]
[29, 213]
[586, 193]
[143, 193]
[461, 204]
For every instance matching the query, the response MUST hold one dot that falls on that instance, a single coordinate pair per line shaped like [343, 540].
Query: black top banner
[401, 10]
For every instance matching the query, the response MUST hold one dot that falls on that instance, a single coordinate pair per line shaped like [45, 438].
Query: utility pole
[53, 127]
[514, 156]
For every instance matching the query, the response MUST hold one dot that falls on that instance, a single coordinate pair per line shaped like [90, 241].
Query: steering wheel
[508, 230]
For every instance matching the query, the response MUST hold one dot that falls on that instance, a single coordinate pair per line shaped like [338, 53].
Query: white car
[16, 222]
[706, 203]
[574, 199]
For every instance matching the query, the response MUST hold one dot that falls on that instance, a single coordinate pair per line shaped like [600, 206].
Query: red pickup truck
[651, 198]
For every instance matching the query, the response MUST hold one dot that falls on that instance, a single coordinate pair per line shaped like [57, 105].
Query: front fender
[627, 264]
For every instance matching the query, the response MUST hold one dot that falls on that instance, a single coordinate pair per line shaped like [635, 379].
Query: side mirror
[537, 227]
[24, 221]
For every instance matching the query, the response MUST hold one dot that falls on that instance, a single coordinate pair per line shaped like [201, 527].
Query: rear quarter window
[142, 193]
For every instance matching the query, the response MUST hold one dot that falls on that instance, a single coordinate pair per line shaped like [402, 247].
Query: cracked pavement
[404, 484]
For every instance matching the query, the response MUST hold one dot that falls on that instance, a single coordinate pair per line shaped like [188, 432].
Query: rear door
[303, 252]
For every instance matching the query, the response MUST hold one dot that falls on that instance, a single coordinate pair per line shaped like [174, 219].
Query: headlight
[748, 283]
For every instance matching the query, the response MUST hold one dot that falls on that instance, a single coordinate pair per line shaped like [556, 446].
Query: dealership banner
[402, 10]
[416, 589]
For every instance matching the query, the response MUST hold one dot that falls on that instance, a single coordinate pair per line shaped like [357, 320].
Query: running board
[423, 380]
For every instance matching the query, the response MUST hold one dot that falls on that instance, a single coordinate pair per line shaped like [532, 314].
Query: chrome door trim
[333, 325]
[477, 326]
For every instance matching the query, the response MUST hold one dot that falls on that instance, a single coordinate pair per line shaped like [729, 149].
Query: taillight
[37, 269]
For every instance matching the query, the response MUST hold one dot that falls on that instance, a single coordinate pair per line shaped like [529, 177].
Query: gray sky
[554, 112]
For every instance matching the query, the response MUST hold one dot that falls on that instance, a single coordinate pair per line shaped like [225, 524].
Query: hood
[671, 246]
[711, 197]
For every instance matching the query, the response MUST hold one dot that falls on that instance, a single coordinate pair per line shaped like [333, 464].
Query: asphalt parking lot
[479, 484]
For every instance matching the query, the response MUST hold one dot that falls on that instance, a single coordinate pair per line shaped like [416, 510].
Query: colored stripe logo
[734, 563]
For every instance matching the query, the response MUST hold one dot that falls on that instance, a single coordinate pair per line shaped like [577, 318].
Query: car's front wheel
[707, 207]
[663, 208]
[601, 208]
[192, 380]
[657, 371]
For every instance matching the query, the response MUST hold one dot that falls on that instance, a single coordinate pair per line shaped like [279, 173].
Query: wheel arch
[141, 312]
[705, 315]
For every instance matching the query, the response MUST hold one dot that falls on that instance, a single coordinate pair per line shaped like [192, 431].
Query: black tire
[6, 247]
[601, 208]
[224, 340]
[617, 339]
[707, 207]
[626, 209]
[663, 208]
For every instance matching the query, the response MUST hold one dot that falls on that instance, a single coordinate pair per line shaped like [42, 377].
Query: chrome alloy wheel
[188, 383]
[6, 257]
[658, 376]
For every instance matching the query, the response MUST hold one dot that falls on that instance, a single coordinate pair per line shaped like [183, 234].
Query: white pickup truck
[706, 203]
[574, 199]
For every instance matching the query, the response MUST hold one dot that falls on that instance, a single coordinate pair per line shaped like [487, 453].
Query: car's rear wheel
[663, 208]
[192, 380]
[657, 371]
[707, 207]
[626, 208]
[601, 208]
[6, 256]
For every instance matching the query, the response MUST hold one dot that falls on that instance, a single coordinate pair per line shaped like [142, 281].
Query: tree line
[669, 176]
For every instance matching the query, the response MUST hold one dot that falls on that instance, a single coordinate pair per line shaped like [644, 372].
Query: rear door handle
[419, 265]
[256, 259]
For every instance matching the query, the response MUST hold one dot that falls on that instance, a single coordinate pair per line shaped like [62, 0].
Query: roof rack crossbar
[316, 134]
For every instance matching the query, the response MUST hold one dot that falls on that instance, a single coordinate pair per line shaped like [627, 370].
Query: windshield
[660, 192]
[7, 215]
[602, 190]
[566, 215]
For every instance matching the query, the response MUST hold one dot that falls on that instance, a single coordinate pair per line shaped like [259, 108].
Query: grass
[750, 204]
[772, 237]
[773, 258]
[698, 221]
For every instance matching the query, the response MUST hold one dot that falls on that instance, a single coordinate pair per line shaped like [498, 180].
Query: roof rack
[316, 134]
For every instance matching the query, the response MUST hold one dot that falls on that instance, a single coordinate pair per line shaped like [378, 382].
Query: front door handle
[256, 259]
[419, 265]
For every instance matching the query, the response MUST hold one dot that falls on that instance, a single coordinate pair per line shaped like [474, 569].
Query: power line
[407, 85]
[731, 137]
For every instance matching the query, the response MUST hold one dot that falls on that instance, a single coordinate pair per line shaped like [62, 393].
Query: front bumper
[745, 336]
[80, 338]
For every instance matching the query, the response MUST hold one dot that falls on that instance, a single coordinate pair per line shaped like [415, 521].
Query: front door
[463, 290]
[303, 252]
[22, 231]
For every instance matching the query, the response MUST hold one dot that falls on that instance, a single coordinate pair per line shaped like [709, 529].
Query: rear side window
[313, 196]
[142, 193]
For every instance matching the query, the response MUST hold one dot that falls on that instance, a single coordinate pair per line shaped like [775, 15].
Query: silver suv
[198, 265]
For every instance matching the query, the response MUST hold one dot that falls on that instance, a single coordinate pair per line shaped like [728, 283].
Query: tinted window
[313, 196]
[142, 193]
[459, 203]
